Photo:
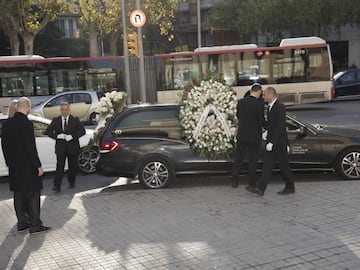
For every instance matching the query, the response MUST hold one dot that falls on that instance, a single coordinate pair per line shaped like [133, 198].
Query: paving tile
[203, 227]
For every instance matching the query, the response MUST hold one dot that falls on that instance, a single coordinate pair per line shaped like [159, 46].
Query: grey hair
[271, 90]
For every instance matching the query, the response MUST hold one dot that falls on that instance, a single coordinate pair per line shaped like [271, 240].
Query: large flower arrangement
[208, 118]
[108, 105]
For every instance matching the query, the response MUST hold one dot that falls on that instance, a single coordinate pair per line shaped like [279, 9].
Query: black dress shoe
[40, 230]
[71, 185]
[251, 189]
[56, 189]
[23, 228]
[234, 183]
[259, 192]
[286, 191]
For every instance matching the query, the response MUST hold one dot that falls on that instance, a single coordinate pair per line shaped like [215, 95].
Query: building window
[62, 26]
[193, 41]
[193, 19]
[71, 29]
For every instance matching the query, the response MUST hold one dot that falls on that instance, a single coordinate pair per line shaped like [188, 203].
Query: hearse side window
[147, 118]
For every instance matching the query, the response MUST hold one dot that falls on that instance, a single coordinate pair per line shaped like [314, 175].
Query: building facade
[185, 27]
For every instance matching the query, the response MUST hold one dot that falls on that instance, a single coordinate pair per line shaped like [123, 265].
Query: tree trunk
[113, 43]
[93, 41]
[29, 43]
[14, 43]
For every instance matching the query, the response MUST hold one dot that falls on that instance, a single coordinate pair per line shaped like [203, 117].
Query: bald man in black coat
[25, 171]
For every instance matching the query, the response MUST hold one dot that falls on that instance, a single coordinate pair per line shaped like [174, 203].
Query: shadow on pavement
[55, 212]
[218, 227]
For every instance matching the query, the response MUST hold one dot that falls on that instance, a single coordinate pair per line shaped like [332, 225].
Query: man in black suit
[66, 130]
[277, 145]
[25, 171]
[250, 114]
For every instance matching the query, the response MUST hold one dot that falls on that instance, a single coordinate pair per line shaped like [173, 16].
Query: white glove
[61, 136]
[264, 135]
[269, 147]
[288, 149]
[68, 137]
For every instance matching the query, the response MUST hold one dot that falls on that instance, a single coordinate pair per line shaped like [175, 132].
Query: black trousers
[72, 163]
[252, 151]
[281, 156]
[27, 208]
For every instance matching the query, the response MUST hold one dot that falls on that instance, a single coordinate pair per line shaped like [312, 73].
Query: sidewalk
[190, 227]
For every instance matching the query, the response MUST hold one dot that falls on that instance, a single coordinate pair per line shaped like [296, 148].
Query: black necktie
[65, 124]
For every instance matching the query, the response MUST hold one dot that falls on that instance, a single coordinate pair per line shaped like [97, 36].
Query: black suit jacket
[276, 126]
[250, 113]
[21, 156]
[74, 128]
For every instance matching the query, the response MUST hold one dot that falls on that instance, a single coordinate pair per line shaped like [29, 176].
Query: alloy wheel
[155, 174]
[87, 160]
[350, 165]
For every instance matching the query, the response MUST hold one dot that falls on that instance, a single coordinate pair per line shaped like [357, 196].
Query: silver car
[83, 104]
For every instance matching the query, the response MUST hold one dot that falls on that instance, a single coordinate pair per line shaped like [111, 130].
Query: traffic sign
[137, 18]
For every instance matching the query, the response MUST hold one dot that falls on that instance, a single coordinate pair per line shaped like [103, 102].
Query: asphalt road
[342, 112]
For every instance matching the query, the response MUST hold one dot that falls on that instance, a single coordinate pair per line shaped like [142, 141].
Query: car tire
[92, 118]
[87, 160]
[348, 164]
[155, 173]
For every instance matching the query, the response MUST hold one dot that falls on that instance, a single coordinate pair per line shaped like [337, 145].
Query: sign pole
[126, 54]
[141, 61]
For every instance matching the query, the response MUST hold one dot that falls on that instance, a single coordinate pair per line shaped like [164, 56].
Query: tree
[237, 16]
[104, 17]
[280, 18]
[90, 20]
[28, 17]
[161, 13]
[7, 26]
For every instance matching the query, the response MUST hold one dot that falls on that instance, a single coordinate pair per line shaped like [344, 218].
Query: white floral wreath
[108, 105]
[208, 118]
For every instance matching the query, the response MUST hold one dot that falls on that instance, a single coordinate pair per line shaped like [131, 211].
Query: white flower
[212, 139]
[108, 105]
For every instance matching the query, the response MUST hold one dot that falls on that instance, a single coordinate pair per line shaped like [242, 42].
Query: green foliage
[161, 13]
[106, 14]
[279, 18]
[28, 17]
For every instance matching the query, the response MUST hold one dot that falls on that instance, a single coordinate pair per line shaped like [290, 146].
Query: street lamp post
[141, 61]
[199, 23]
[126, 54]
